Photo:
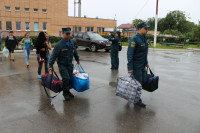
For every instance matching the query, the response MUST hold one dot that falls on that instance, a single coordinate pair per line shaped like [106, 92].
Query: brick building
[45, 15]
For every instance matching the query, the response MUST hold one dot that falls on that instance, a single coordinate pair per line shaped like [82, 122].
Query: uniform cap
[142, 24]
[66, 30]
[118, 32]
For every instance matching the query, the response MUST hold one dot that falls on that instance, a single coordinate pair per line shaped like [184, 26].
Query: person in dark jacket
[10, 44]
[137, 56]
[115, 50]
[63, 52]
[42, 46]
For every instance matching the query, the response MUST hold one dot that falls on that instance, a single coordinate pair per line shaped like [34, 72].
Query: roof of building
[126, 26]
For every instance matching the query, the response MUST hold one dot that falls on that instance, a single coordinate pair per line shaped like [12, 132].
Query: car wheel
[93, 48]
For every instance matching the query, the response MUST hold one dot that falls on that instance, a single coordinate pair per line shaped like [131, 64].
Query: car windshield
[95, 36]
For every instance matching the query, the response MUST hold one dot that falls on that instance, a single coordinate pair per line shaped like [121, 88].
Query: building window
[44, 25]
[17, 9]
[44, 10]
[35, 10]
[18, 25]
[76, 29]
[8, 25]
[26, 9]
[27, 26]
[89, 29]
[100, 29]
[0, 26]
[7, 8]
[36, 26]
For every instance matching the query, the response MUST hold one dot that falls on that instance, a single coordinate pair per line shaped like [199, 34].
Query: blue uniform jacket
[115, 43]
[137, 52]
[64, 54]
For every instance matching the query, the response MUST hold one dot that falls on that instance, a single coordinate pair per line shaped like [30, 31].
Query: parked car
[91, 40]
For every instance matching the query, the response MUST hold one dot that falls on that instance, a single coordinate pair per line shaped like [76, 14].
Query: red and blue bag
[52, 82]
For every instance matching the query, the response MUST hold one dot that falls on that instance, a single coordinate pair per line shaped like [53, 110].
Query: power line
[141, 8]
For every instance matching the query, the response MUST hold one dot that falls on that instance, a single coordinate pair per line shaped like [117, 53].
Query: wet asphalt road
[173, 108]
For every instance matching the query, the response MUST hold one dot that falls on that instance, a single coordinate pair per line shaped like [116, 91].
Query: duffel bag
[80, 79]
[52, 82]
[151, 83]
[128, 88]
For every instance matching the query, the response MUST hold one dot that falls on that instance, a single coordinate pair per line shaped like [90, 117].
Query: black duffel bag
[52, 82]
[151, 83]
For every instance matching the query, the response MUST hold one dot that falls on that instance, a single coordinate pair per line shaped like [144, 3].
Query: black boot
[66, 95]
[71, 95]
[140, 104]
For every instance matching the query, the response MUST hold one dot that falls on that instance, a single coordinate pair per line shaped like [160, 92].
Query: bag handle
[53, 72]
[132, 76]
[80, 68]
[148, 68]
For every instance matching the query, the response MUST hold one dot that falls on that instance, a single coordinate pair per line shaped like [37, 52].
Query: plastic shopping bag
[128, 88]
[5, 52]
[19, 46]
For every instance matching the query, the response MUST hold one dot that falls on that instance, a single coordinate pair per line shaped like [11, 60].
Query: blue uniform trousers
[140, 75]
[114, 59]
[66, 74]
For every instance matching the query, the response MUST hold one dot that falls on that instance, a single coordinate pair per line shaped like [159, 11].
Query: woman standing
[43, 46]
[10, 44]
[27, 42]
[115, 50]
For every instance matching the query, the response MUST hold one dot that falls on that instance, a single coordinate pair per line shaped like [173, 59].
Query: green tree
[188, 26]
[173, 32]
[176, 20]
[151, 23]
[115, 29]
[161, 25]
[136, 21]
[196, 31]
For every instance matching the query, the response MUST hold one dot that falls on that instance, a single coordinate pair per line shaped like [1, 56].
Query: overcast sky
[127, 10]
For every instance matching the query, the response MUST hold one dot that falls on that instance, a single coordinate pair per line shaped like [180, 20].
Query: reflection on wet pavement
[173, 108]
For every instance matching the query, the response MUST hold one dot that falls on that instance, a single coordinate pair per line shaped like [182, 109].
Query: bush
[123, 38]
[52, 39]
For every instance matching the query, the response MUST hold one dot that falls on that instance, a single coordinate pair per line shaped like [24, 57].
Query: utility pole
[79, 8]
[156, 22]
[75, 8]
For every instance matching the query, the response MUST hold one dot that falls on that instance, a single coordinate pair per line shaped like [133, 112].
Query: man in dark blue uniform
[137, 55]
[115, 50]
[63, 52]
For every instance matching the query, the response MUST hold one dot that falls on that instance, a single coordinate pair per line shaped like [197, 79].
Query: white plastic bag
[19, 46]
[5, 52]
[80, 75]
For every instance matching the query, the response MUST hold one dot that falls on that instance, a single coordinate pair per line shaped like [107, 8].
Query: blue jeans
[27, 53]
